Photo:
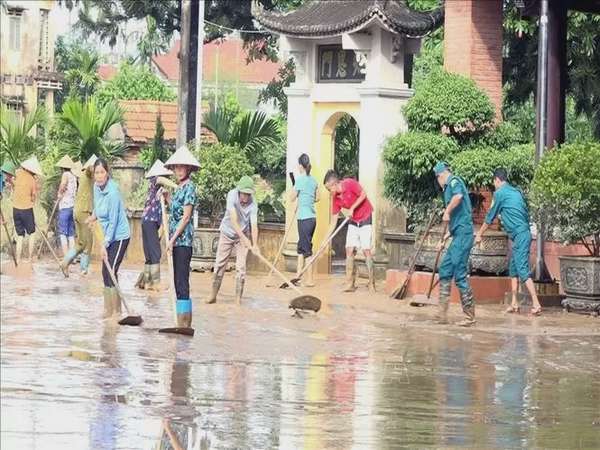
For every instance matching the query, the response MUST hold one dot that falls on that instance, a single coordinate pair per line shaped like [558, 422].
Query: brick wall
[473, 44]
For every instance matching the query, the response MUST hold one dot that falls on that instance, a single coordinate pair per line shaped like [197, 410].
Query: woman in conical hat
[24, 196]
[151, 222]
[181, 229]
[82, 210]
[66, 201]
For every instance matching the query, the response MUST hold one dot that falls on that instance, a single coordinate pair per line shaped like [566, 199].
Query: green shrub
[505, 135]
[451, 103]
[477, 165]
[221, 166]
[409, 159]
[565, 194]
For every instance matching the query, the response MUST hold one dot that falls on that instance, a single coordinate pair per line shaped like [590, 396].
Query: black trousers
[116, 252]
[182, 256]
[151, 242]
[306, 230]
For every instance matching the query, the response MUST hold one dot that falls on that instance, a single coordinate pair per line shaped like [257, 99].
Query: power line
[222, 27]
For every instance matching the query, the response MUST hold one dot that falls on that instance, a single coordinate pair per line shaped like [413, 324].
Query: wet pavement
[365, 372]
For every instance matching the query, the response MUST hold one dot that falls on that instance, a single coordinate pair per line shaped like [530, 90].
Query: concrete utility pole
[184, 80]
[199, 66]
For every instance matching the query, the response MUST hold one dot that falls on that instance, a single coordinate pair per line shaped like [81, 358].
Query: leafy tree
[152, 43]
[135, 83]
[346, 145]
[90, 123]
[18, 140]
[274, 89]
[158, 149]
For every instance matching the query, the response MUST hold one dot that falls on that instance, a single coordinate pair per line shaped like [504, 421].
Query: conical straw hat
[32, 165]
[77, 169]
[90, 162]
[8, 167]
[65, 162]
[183, 156]
[158, 169]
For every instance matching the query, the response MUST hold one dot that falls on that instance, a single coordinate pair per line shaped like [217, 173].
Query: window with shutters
[43, 57]
[14, 30]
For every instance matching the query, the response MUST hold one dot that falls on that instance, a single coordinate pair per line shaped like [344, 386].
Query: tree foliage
[18, 139]
[346, 146]
[158, 149]
[152, 43]
[565, 194]
[134, 82]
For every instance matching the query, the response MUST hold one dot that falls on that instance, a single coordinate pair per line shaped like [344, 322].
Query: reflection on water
[268, 381]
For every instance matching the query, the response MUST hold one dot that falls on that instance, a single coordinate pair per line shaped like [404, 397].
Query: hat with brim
[183, 157]
[32, 165]
[65, 162]
[158, 169]
[77, 169]
[8, 167]
[246, 185]
[90, 162]
[440, 167]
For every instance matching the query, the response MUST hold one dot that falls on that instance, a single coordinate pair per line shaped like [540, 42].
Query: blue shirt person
[185, 195]
[509, 204]
[454, 265]
[110, 212]
[306, 188]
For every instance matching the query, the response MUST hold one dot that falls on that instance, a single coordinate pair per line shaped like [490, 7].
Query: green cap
[246, 185]
[440, 167]
[8, 167]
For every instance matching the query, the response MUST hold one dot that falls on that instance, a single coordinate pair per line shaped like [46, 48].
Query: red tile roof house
[224, 69]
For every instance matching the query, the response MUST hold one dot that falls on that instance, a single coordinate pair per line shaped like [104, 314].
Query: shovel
[11, 245]
[37, 255]
[302, 298]
[186, 331]
[421, 299]
[323, 247]
[133, 321]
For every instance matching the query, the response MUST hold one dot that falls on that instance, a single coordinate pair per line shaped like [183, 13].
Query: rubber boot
[153, 277]
[184, 312]
[142, 278]
[468, 306]
[84, 263]
[239, 290]
[216, 285]
[108, 303]
[350, 285]
[371, 272]
[444, 298]
[68, 259]
[116, 302]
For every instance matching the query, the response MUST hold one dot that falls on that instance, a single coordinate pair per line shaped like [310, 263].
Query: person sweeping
[348, 194]
[455, 262]
[239, 222]
[509, 204]
[151, 222]
[24, 197]
[306, 191]
[82, 210]
[109, 211]
[66, 200]
[181, 229]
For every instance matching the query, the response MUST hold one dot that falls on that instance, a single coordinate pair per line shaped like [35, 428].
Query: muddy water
[255, 378]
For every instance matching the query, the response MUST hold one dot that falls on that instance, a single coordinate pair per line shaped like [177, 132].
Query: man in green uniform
[455, 262]
[510, 205]
[84, 205]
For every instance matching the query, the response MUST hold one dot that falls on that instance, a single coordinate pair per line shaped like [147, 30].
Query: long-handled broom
[11, 244]
[186, 331]
[39, 250]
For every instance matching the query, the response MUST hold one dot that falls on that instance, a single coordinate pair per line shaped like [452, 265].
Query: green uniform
[510, 205]
[456, 260]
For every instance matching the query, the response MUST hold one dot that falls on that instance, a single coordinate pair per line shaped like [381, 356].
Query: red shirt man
[348, 194]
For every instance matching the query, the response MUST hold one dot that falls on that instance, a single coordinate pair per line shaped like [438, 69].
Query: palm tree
[17, 134]
[91, 123]
[251, 131]
[83, 77]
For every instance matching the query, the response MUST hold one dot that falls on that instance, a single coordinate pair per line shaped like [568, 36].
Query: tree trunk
[184, 76]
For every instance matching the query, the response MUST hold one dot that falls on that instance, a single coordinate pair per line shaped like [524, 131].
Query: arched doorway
[346, 143]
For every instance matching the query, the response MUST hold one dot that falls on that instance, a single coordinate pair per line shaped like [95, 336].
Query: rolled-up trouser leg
[182, 257]
[519, 260]
[224, 248]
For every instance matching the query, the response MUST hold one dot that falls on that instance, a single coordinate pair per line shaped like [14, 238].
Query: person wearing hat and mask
[24, 196]
[109, 211]
[151, 222]
[239, 222]
[82, 210]
[509, 203]
[66, 199]
[181, 229]
[454, 265]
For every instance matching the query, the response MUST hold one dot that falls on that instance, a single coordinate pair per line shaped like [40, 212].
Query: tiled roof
[227, 57]
[140, 119]
[335, 17]
[106, 72]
